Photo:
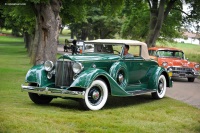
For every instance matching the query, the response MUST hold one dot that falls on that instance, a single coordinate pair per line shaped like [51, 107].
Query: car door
[137, 69]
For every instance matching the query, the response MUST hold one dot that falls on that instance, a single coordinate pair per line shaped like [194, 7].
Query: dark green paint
[140, 74]
[38, 75]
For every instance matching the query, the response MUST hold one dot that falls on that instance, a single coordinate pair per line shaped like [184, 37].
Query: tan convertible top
[144, 49]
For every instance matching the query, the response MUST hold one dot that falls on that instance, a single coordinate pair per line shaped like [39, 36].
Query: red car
[173, 59]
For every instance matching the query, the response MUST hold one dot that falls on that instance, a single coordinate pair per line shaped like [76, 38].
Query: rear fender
[155, 72]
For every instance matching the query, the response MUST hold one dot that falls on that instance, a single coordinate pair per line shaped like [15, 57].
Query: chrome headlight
[164, 64]
[48, 65]
[50, 74]
[196, 65]
[170, 69]
[77, 67]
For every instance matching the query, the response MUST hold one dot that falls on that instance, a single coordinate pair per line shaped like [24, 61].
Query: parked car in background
[101, 70]
[173, 59]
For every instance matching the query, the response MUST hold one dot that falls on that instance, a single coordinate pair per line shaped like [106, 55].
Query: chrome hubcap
[95, 95]
[120, 78]
[161, 86]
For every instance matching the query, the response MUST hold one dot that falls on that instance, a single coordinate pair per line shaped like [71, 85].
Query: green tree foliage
[97, 25]
[20, 19]
[191, 18]
[135, 17]
[150, 19]
[16, 19]
[92, 19]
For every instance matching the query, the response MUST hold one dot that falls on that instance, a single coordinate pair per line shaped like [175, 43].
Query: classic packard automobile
[101, 70]
[173, 59]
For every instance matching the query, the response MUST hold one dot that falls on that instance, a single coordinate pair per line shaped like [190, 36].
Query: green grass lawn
[131, 114]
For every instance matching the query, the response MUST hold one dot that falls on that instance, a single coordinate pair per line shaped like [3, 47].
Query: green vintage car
[101, 70]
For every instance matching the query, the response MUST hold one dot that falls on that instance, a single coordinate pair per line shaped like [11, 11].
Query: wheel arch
[155, 73]
[102, 77]
[84, 81]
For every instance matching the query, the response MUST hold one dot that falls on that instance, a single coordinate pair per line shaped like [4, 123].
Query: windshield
[127, 51]
[103, 48]
[171, 54]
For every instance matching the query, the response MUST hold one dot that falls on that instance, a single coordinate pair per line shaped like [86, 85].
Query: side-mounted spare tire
[162, 86]
[95, 96]
[119, 73]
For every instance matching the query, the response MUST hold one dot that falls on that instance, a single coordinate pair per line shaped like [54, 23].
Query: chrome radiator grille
[181, 69]
[64, 73]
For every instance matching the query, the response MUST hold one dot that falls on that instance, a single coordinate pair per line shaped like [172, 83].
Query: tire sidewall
[40, 99]
[162, 77]
[104, 88]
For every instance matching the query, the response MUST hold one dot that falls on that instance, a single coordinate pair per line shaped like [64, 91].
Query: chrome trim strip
[53, 91]
[140, 92]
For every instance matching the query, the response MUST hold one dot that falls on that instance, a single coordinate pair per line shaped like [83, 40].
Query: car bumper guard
[53, 91]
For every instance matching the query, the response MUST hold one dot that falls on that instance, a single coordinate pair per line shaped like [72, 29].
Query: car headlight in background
[48, 65]
[164, 64]
[77, 67]
[196, 65]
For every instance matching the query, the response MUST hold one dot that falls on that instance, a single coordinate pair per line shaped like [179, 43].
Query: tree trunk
[155, 22]
[84, 34]
[157, 17]
[28, 40]
[47, 31]
[199, 41]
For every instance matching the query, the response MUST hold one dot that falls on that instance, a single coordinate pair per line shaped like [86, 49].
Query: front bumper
[185, 74]
[53, 92]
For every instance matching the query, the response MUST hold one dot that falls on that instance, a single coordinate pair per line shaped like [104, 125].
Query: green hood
[91, 57]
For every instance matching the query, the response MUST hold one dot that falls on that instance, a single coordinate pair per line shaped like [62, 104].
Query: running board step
[139, 92]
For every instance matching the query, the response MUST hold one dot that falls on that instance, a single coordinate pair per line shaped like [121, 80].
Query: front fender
[85, 79]
[37, 74]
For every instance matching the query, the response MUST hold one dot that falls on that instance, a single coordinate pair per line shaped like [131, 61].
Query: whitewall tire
[161, 90]
[95, 96]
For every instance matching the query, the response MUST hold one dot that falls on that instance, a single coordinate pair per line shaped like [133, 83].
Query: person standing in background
[74, 47]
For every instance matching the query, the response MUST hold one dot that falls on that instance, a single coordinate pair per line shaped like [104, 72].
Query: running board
[139, 92]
